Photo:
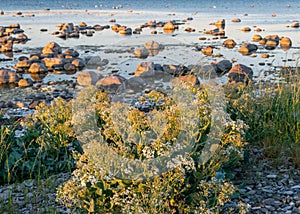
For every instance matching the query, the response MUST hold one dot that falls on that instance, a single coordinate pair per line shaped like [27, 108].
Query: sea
[190, 6]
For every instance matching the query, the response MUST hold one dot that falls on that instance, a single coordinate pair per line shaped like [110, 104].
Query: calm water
[214, 6]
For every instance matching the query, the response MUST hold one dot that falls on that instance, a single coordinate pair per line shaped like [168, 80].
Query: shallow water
[192, 6]
[179, 46]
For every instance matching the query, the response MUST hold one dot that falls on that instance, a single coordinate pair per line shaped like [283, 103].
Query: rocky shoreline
[148, 63]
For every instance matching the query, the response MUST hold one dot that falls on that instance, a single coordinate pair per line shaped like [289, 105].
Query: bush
[190, 185]
[44, 149]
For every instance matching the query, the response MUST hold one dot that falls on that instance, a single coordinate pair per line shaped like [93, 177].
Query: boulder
[247, 48]
[88, 78]
[240, 74]
[223, 66]
[78, 63]
[111, 81]
[176, 70]
[37, 68]
[8, 76]
[285, 43]
[23, 65]
[144, 67]
[82, 24]
[54, 62]
[141, 53]
[205, 72]
[215, 32]
[51, 48]
[115, 27]
[270, 42]
[23, 83]
[127, 31]
[68, 67]
[70, 53]
[94, 62]
[7, 47]
[246, 29]
[295, 25]
[220, 23]
[169, 26]
[207, 50]
[38, 76]
[192, 79]
[256, 38]
[229, 43]
[236, 20]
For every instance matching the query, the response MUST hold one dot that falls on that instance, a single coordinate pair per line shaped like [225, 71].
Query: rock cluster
[51, 58]
[270, 42]
[70, 30]
[9, 35]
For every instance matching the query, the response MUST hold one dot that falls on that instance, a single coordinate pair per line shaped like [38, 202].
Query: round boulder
[37, 68]
[23, 83]
[111, 81]
[51, 48]
[285, 43]
[240, 74]
[88, 78]
[229, 43]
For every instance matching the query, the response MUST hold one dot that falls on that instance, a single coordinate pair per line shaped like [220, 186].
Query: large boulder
[88, 78]
[94, 62]
[247, 48]
[23, 83]
[285, 43]
[78, 63]
[229, 43]
[169, 26]
[240, 74]
[223, 66]
[111, 83]
[144, 67]
[271, 42]
[54, 62]
[8, 76]
[23, 65]
[52, 48]
[207, 50]
[37, 68]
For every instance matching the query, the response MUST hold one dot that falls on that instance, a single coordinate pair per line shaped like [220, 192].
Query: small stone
[288, 193]
[271, 176]
[295, 187]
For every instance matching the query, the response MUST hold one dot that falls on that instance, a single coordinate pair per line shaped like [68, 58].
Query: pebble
[271, 176]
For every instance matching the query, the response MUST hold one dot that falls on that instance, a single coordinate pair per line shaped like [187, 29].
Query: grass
[272, 111]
